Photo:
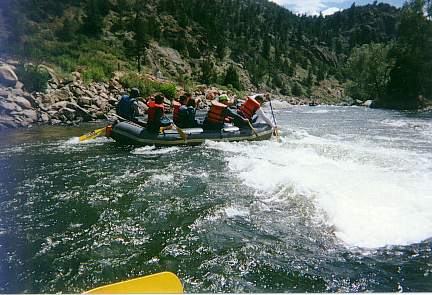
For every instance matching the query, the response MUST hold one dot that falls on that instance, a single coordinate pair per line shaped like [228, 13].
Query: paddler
[156, 115]
[182, 101]
[220, 113]
[187, 114]
[127, 107]
[251, 109]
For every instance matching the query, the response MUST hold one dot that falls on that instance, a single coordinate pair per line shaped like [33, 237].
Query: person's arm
[233, 114]
[260, 113]
[136, 108]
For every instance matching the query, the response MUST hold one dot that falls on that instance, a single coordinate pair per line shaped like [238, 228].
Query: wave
[373, 196]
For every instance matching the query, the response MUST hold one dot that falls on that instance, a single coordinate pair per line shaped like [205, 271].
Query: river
[343, 202]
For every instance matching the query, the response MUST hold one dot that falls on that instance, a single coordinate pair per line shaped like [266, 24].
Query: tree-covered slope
[269, 46]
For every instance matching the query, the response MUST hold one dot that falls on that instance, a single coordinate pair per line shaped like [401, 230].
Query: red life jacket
[176, 111]
[216, 113]
[151, 112]
[249, 108]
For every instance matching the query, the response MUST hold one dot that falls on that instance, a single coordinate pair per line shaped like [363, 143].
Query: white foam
[233, 211]
[278, 105]
[374, 196]
[162, 178]
[152, 150]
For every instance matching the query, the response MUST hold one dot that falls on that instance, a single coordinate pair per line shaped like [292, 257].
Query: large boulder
[68, 113]
[7, 107]
[7, 76]
[22, 102]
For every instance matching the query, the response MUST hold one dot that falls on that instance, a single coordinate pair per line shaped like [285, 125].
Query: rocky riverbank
[71, 101]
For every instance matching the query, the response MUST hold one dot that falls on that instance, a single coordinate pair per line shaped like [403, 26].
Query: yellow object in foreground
[93, 134]
[163, 282]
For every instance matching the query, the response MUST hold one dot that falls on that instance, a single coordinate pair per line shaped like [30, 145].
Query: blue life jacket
[125, 107]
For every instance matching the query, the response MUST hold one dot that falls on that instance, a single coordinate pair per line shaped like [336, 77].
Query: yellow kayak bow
[163, 282]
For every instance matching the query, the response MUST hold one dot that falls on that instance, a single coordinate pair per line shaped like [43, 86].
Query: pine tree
[232, 78]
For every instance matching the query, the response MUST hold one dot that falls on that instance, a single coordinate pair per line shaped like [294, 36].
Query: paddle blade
[181, 133]
[93, 134]
[163, 282]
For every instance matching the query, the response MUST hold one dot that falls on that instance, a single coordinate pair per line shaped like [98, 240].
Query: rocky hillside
[267, 46]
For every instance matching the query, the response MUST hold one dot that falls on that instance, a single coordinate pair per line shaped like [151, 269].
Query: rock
[8, 76]
[22, 102]
[55, 79]
[77, 92]
[367, 103]
[100, 115]
[58, 95]
[84, 101]
[8, 107]
[4, 92]
[59, 105]
[44, 118]
[77, 76]
[68, 113]
[19, 85]
[102, 104]
[31, 115]
[112, 101]
[7, 122]
[86, 115]
[55, 122]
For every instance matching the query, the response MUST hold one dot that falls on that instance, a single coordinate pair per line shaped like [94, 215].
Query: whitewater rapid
[371, 183]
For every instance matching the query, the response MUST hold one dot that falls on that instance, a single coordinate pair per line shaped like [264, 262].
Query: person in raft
[183, 99]
[220, 113]
[187, 114]
[127, 107]
[156, 115]
[251, 110]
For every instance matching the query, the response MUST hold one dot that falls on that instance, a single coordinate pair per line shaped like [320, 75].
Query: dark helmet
[259, 98]
[134, 92]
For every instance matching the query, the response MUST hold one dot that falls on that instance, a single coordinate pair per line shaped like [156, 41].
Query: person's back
[127, 106]
[249, 108]
[215, 118]
[155, 114]
[176, 108]
[187, 115]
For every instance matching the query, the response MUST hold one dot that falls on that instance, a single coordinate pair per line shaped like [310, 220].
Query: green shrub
[33, 78]
[148, 87]
[168, 89]
[297, 89]
[93, 74]
[232, 78]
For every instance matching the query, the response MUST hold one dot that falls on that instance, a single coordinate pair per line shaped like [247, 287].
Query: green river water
[343, 203]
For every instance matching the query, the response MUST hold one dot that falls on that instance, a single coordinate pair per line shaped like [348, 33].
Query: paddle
[253, 129]
[163, 282]
[181, 132]
[274, 119]
[93, 134]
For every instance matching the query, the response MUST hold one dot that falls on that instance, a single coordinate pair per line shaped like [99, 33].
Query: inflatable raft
[134, 134]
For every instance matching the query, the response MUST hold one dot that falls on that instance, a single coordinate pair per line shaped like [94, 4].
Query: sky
[327, 7]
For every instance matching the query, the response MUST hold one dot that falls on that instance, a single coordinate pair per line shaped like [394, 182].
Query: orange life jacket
[176, 111]
[216, 113]
[151, 112]
[249, 108]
